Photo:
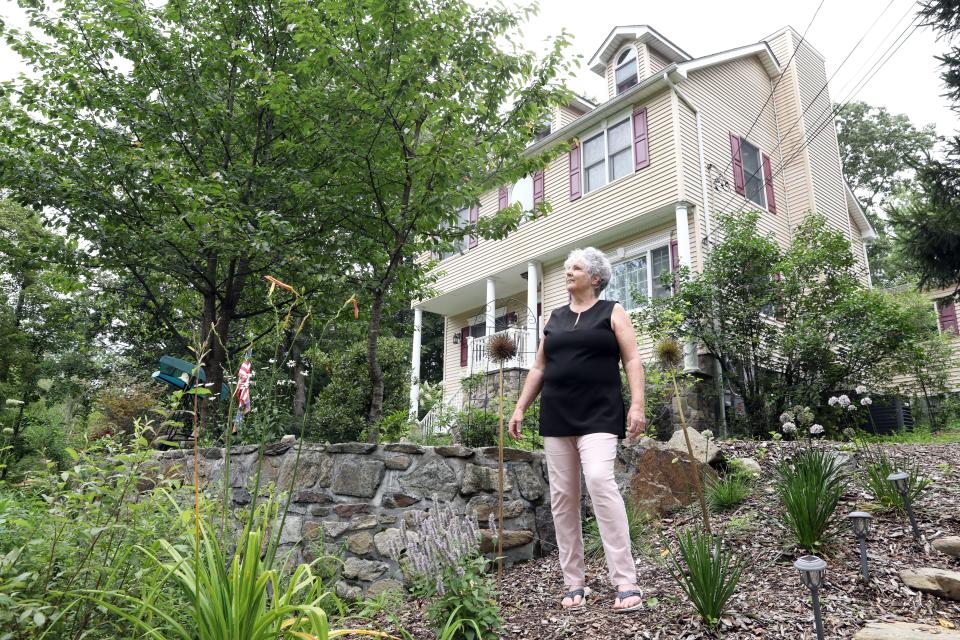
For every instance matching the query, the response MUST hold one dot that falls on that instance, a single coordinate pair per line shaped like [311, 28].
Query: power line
[733, 196]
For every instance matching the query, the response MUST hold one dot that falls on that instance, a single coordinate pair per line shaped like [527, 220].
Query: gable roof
[760, 49]
[640, 33]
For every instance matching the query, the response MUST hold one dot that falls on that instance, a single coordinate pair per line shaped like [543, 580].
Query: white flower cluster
[842, 400]
[866, 401]
[816, 429]
[861, 389]
[789, 427]
[706, 433]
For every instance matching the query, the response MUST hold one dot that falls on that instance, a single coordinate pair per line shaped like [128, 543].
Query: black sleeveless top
[581, 380]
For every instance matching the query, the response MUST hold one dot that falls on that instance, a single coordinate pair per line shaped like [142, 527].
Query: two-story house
[678, 141]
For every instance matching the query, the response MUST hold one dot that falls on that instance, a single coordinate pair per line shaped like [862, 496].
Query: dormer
[631, 54]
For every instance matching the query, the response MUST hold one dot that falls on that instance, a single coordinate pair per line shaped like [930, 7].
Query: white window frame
[763, 179]
[462, 245]
[603, 129]
[617, 66]
[631, 252]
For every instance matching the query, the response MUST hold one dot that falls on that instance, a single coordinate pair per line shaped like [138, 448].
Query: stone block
[346, 591]
[454, 451]
[382, 586]
[361, 543]
[905, 631]
[362, 448]
[399, 500]
[332, 529]
[940, 582]
[291, 529]
[313, 497]
[703, 450]
[483, 506]
[357, 477]
[366, 521]
[661, 481]
[509, 454]
[276, 448]
[313, 469]
[511, 539]
[398, 461]
[477, 479]
[352, 509]
[949, 545]
[433, 477]
[365, 570]
[403, 447]
[529, 482]
[386, 539]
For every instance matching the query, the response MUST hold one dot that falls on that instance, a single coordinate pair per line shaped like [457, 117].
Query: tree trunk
[373, 367]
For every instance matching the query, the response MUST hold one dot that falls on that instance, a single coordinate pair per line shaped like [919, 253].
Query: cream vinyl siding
[729, 97]
[858, 249]
[907, 383]
[615, 203]
[656, 62]
[568, 115]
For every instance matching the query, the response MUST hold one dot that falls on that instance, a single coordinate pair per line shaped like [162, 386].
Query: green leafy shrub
[810, 486]
[395, 426]
[637, 523]
[341, 407]
[447, 568]
[877, 466]
[478, 428]
[727, 492]
[707, 571]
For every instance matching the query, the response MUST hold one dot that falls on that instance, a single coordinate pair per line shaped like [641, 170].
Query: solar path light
[811, 570]
[901, 480]
[861, 527]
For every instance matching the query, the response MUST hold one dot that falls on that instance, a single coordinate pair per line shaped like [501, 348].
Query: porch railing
[438, 419]
[479, 361]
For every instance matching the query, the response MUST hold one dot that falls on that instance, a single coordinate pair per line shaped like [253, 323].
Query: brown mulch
[770, 601]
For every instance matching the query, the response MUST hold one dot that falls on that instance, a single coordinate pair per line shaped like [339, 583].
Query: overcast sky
[909, 83]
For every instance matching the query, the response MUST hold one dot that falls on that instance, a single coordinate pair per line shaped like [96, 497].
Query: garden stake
[861, 527]
[811, 570]
[901, 480]
[500, 349]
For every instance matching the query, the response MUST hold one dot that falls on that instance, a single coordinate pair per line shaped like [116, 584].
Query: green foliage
[810, 486]
[879, 152]
[832, 331]
[395, 426]
[708, 574]
[728, 491]
[478, 428]
[466, 609]
[343, 402]
[638, 523]
[877, 466]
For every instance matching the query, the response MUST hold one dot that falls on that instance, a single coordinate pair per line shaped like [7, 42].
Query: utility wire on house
[831, 111]
[773, 89]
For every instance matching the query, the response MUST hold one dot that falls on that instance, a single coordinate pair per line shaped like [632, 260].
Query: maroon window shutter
[674, 255]
[464, 334]
[778, 313]
[539, 309]
[538, 187]
[512, 318]
[768, 182]
[947, 312]
[503, 198]
[738, 182]
[641, 141]
[574, 156]
[474, 216]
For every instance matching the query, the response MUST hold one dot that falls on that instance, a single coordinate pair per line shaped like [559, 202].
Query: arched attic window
[626, 72]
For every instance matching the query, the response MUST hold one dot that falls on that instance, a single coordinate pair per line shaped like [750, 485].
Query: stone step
[949, 545]
[905, 631]
[939, 582]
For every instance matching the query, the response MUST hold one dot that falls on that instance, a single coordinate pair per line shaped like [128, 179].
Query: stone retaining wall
[348, 498]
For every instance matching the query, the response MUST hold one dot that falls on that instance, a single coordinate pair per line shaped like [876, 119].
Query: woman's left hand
[636, 421]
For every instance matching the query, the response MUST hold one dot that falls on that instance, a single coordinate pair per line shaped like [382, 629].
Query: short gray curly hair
[596, 264]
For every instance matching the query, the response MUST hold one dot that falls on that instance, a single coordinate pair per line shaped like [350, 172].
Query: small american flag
[243, 385]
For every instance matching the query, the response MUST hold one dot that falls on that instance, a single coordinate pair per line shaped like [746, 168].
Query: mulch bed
[770, 601]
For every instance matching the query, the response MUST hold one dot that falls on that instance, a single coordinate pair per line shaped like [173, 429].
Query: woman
[577, 373]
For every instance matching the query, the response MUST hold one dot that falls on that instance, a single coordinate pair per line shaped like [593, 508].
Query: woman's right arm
[530, 390]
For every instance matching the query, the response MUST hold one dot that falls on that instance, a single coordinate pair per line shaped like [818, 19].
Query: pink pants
[596, 452]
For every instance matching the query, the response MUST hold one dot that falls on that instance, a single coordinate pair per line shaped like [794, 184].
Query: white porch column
[690, 360]
[533, 284]
[491, 309]
[415, 363]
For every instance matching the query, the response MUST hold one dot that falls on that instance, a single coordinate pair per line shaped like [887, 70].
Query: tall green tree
[881, 153]
[428, 107]
[147, 129]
